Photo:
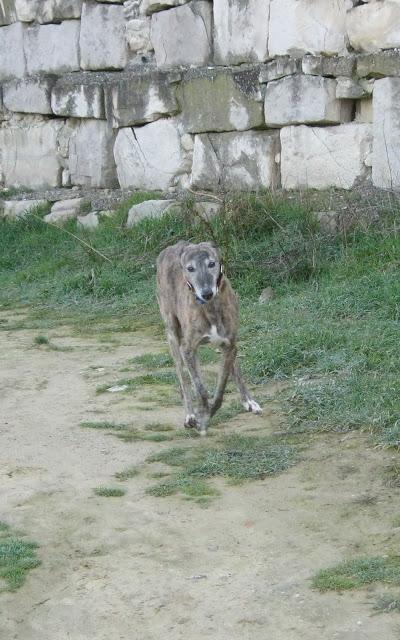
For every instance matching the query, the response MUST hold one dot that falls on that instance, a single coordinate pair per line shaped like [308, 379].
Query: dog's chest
[215, 336]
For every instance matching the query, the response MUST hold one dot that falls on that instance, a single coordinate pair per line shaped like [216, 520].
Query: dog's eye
[190, 268]
[211, 264]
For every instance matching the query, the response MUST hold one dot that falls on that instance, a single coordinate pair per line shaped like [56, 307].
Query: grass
[17, 558]
[127, 474]
[235, 457]
[355, 574]
[109, 492]
[334, 318]
[104, 425]
[138, 382]
[40, 340]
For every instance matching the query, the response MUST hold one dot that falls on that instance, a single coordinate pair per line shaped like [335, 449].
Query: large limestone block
[78, 95]
[8, 14]
[151, 157]
[364, 110]
[301, 99]
[64, 210]
[183, 36]
[378, 65]
[20, 208]
[140, 96]
[103, 38]
[324, 66]
[241, 31]
[307, 26]
[28, 152]
[221, 100]
[43, 11]
[386, 157]
[12, 58]
[149, 209]
[148, 7]
[52, 48]
[29, 95]
[279, 68]
[321, 157]
[374, 26]
[91, 158]
[245, 160]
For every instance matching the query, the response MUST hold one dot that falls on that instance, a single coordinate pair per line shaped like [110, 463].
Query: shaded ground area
[139, 566]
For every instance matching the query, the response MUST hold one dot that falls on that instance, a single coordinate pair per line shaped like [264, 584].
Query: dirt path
[144, 568]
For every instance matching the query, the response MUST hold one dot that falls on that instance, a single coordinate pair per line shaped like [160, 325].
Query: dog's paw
[252, 406]
[191, 421]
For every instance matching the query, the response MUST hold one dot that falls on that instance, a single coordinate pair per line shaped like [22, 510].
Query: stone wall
[169, 94]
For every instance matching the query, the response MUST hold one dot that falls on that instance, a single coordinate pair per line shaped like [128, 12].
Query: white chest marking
[214, 336]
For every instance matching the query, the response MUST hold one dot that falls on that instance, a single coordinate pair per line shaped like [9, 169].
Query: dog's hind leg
[227, 365]
[245, 398]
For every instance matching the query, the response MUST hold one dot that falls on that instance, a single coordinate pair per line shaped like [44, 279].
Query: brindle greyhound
[198, 306]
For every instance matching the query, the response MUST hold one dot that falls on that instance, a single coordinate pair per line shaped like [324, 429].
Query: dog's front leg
[226, 368]
[245, 398]
[190, 360]
[190, 418]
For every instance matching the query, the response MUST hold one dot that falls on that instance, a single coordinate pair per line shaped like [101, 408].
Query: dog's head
[202, 267]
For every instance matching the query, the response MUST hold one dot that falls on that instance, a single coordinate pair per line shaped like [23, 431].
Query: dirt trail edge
[145, 568]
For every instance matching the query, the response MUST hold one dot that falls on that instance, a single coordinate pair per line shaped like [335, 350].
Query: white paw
[252, 406]
[190, 421]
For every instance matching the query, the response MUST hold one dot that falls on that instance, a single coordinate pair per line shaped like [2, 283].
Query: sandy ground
[144, 568]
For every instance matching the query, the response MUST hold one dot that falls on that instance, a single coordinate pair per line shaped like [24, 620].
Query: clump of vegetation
[127, 474]
[40, 340]
[236, 457]
[17, 558]
[354, 574]
[109, 492]
[112, 426]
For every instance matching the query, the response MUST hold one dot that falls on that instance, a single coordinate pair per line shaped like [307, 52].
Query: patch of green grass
[387, 603]
[193, 488]
[227, 412]
[17, 558]
[41, 340]
[235, 457]
[105, 424]
[109, 492]
[148, 379]
[136, 435]
[127, 474]
[153, 360]
[157, 426]
[354, 574]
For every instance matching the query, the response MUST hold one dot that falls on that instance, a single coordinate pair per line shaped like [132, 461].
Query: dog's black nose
[207, 294]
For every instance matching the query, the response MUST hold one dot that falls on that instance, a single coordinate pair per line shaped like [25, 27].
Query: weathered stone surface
[91, 158]
[349, 89]
[386, 157]
[138, 35]
[90, 221]
[300, 26]
[221, 100]
[52, 48]
[378, 65]
[331, 222]
[12, 59]
[103, 40]
[300, 99]
[8, 14]
[364, 110]
[236, 160]
[139, 96]
[149, 209]
[279, 68]
[78, 95]
[144, 163]
[148, 7]
[266, 295]
[207, 210]
[43, 11]
[28, 152]
[324, 66]
[240, 31]
[374, 26]
[321, 157]
[182, 36]
[64, 210]
[29, 95]
[19, 208]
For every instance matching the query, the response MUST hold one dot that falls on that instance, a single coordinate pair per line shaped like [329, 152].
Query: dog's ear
[184, 252]
[215, 248]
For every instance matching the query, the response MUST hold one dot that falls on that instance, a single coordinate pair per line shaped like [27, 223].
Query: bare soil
[144, 568]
